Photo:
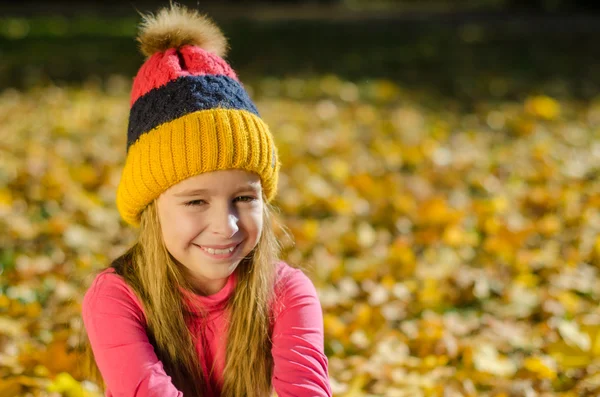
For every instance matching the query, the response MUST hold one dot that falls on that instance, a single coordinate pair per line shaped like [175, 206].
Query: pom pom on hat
[177, 26]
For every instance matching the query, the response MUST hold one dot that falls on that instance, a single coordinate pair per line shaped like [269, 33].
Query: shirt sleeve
[300, 364]
[115, 325]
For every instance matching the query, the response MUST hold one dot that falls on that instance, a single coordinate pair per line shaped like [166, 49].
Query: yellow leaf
[65, 384]
[334, 326]
[569, 300]
[401, 253]
[434, 212]
[404, 203]
[544, 367]
[549, 225]
[579, 345]
[527, 280]
[567, 356]
[522, 126]
[339, 170]
[412, 156]
[310, 228]
[85, 174]
[4, 301]
[597, 246]
[363, 314]
[33, 309]
[341, 205]
[356, 385]
[593, 332]
[6, 198]
[388, 281]
[454, 236]
[41, 371]
[491, 225]
[543, 107]
[10, 387]
[430, 295]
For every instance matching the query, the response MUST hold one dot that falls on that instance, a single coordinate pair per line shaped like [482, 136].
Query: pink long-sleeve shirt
[116, 325]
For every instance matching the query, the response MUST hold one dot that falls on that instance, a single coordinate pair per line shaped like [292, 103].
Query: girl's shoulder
[292, 284]
[107, 281]
[287, 274]
[110, 289]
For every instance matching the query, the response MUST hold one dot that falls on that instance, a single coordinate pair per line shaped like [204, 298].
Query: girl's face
[210, 222]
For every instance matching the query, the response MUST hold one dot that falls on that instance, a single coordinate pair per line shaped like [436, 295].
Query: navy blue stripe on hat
[185, 95]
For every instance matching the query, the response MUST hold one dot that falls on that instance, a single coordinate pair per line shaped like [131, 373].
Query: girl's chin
[212, 272]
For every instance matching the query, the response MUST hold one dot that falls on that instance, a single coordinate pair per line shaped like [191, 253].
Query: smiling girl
[200, 305]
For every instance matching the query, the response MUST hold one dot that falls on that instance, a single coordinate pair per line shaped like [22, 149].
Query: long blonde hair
[153, 274]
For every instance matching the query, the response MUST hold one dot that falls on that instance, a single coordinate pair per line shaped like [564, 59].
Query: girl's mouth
[220, 253]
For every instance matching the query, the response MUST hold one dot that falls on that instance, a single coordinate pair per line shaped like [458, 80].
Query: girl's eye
[195, 202]
[245, 198]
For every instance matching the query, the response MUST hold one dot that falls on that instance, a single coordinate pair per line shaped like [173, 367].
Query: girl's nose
[225, 222]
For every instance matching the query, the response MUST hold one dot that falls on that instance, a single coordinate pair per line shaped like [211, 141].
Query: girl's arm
[115, 325]
[298, 352]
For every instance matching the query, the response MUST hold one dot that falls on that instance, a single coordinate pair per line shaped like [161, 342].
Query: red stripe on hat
[163, 67]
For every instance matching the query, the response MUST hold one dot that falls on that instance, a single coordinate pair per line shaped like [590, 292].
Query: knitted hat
[189, 113]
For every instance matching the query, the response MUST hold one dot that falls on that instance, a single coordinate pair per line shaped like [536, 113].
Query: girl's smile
[220, 251]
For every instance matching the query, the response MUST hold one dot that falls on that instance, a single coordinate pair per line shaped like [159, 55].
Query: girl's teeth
[218, 251]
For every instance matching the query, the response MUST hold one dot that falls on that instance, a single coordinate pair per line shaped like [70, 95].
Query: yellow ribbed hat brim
[202, 141]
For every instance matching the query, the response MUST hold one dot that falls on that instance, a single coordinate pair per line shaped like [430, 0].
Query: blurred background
[440, 164]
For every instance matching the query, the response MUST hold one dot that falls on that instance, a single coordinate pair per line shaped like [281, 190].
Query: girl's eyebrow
[253, 186]
[192, 192]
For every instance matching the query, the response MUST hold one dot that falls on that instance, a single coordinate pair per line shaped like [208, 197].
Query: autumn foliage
[455, 250]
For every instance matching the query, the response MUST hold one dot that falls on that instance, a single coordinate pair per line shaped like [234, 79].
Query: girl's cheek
[253, 217]
[251, 211]
[191, 223]
[181, 223]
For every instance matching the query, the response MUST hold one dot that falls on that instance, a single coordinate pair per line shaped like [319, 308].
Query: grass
[466, 61]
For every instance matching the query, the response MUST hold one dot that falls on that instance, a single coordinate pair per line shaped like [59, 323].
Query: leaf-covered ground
[455, 251]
